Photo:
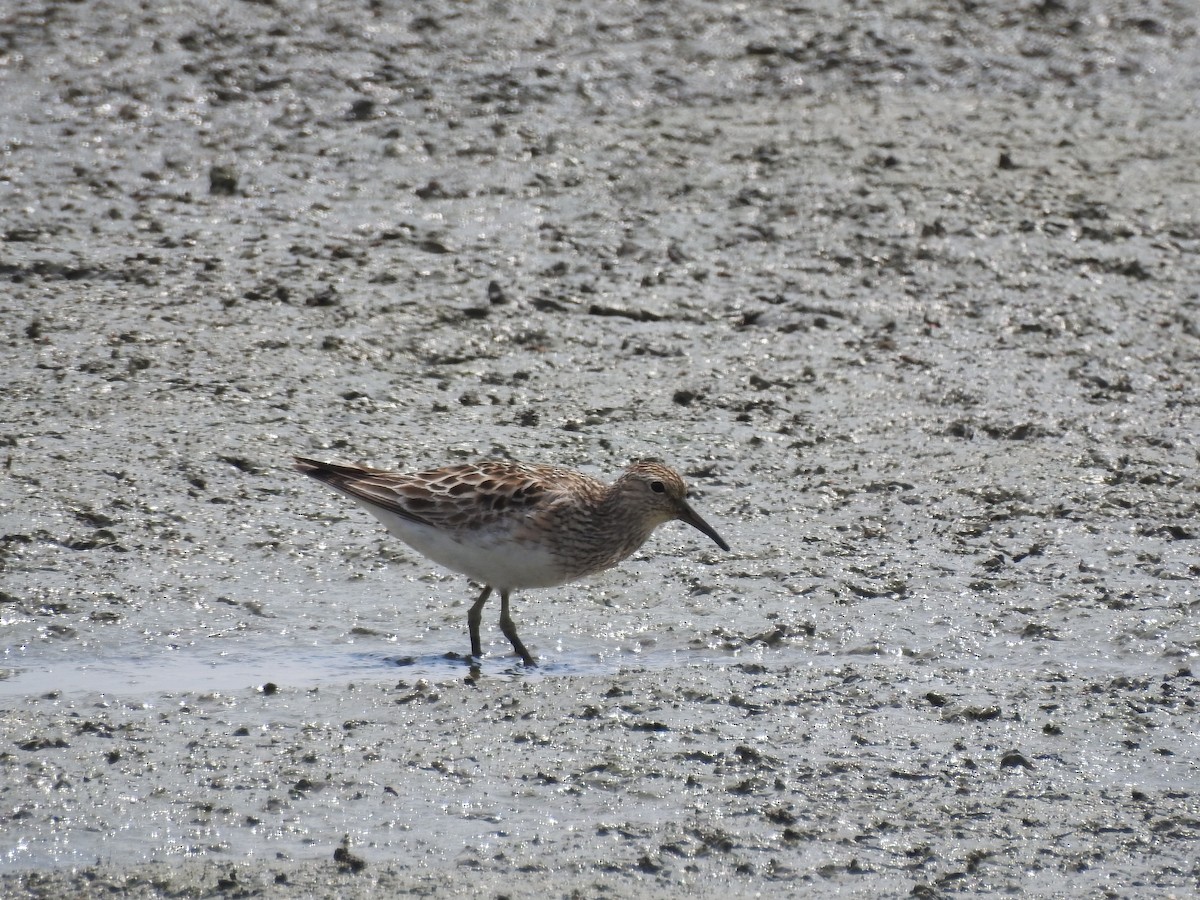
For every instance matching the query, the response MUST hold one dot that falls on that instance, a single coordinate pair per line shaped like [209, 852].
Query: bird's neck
[625, 532]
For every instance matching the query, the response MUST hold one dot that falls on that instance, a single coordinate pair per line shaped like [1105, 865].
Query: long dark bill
[689, 515]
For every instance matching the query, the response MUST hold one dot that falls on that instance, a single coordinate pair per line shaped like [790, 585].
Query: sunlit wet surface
[255, 668]
[190, 670]
[910, 296]
[187, 671]
[326, 719]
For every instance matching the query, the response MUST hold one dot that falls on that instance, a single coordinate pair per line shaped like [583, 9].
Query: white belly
[490, 557]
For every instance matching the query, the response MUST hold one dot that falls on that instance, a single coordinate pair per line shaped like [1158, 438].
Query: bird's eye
[658, 487]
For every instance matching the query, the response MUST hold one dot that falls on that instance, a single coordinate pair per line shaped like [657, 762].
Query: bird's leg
[510, 631]
[474, 616]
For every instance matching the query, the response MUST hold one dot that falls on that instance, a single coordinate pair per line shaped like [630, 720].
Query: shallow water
[181, 672]
[253, 665]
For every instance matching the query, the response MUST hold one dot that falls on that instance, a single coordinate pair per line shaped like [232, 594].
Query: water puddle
[188, 671]
[150, 671]
[181, 671]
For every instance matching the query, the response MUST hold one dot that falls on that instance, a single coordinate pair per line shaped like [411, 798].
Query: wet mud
[909, 294]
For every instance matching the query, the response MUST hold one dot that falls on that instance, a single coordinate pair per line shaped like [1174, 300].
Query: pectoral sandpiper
[510, 525]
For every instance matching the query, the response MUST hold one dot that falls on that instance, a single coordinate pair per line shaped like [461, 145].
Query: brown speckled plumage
[513, 525]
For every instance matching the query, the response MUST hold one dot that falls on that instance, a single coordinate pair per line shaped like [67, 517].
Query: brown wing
[451, 497]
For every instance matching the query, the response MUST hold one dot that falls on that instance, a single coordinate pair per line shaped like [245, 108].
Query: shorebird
[510, 525]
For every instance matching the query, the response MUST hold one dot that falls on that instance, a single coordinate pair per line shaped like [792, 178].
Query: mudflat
[908, 293]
